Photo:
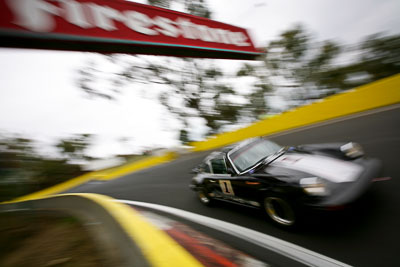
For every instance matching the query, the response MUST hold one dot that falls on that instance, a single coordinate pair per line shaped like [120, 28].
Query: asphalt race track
[366, 235]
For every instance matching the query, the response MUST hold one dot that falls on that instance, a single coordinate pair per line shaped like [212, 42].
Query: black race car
[285, 180]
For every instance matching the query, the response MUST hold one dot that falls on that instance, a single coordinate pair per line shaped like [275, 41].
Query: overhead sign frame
[118, 26]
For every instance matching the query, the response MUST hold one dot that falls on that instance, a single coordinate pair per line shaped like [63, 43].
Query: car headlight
[352, 150]
[314, 186]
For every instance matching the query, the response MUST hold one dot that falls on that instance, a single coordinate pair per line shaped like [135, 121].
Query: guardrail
[374, 95]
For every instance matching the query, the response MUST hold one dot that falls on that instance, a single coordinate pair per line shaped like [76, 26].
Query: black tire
[204, 198]
[281, 211]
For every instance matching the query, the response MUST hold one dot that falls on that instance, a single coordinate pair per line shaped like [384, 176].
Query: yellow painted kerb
[159, 248]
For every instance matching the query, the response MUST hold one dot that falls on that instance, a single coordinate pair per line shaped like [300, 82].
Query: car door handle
[212, 181]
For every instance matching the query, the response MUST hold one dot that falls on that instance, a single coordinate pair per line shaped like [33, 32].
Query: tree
[257, 105]
[16, 153]
[295, 62]
[293, 65]
[184, 136]
[305, 70]
[194, 7]
[23, 170]
[17, 145]
[378, 57]
[73, 148]
[191, 87]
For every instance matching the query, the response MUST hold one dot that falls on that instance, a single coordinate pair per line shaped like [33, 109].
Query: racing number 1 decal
[226, 187]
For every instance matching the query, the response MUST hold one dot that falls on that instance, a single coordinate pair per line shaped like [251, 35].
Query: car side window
[206, 168]
[203, 167]
[218, 166]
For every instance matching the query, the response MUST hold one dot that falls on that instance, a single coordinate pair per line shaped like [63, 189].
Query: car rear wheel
[204, 197]
[280, 211]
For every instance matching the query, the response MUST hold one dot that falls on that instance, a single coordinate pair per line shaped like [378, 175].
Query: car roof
[243, 143]
[214, 155]
[225, 150]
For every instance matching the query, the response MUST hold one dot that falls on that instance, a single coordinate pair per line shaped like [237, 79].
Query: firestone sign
[118, 26]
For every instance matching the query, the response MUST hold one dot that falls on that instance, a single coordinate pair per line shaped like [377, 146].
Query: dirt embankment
[47, 239]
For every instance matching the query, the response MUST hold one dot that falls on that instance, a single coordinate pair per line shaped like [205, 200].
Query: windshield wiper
[264, 161]
[277, 154]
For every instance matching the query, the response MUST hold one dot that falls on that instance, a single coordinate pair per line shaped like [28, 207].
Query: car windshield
[248, 155]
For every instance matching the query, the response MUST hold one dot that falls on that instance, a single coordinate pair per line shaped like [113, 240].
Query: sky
[39, 97]
[343, 20]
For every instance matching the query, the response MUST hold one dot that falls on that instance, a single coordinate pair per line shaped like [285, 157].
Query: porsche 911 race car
[285, 181]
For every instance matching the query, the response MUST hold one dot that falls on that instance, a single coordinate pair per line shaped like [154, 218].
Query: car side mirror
[195, 170]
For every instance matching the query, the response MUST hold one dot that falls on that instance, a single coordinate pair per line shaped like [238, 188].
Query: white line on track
[279, 246]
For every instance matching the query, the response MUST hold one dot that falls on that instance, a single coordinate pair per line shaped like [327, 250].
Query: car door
[230, 187]
[246, 188]
[221, 180]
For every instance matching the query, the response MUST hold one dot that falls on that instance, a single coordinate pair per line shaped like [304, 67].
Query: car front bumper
[347, 193]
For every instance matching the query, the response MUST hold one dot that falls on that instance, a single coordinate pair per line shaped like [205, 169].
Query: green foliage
[193, 7]
[74, 147]
[200, 92]
[294, 43]
[381, 55]
[197, 8]
[17, 145]
[159, 3]
[245, 70]
[52, 171]
[23, 170]
[311, 70]
[257, 104]
[295, 65]
[297, 61]
[377, 57]
[192, 88]
[184, 136]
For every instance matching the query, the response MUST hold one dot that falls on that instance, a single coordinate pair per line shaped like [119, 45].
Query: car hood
[306, 165]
